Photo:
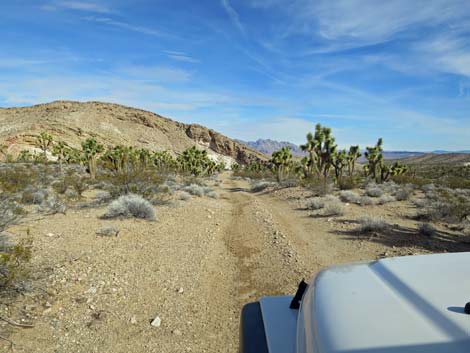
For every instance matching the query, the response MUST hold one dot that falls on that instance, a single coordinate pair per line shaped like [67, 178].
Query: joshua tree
[391, 170]
[58, 150]
[353, 155]
[321, 148]
[163, 160]
[282, 161]
[375, 158]
[310, 147]
[195, 162]
[91, 150]
[72, 156]
[25, 156]
[44, 141]
[340, 160]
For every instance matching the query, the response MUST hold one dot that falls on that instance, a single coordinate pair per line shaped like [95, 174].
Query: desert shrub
[420, 203]
[103, 197]
[334, 208]
[184, 196]
[452, 210]
[348, 183]
[427, 229]
[390, 187]
[32, 196]
[212, 195]
[370, 224]
[290, 182]
[194, 189]
[13, 264]
[319, 186]
[165, 189]
[349, 196]
[386, 199]
[52, 205]
[144, 182]
[366, 201]
[410, 179]
[403, 193]
[374, 190]
[428, 188]
[10, 212]
[108, 231]
[260, 186]
[15, 179]
[130, 206]
[316, 203]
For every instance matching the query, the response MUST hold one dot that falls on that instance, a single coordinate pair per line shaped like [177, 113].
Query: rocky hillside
[268, 146]
[112, 124]
[436, 159]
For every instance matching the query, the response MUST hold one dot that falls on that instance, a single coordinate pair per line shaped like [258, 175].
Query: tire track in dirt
[266, 264]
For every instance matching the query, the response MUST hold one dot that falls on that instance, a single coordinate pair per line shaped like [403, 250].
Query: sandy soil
[193, 268]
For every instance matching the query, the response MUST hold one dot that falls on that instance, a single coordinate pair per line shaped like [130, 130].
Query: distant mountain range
[268, 146]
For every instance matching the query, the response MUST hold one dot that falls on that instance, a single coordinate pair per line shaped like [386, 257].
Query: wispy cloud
[127, 26]
[233, 15]
[88, 6]
[181, 56]
[156, 73]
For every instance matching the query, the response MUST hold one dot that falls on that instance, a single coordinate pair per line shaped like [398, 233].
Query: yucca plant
[282, 162]
[91, 150]
[44, 142]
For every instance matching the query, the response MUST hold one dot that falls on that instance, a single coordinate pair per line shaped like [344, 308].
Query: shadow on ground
[400, 236]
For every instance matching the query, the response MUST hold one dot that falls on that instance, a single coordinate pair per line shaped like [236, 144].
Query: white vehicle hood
[405, 305]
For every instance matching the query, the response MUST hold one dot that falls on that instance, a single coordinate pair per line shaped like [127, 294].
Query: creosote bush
[370, 224]
[129, 206]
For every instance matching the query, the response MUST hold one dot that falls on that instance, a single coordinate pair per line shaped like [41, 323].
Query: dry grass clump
[212, 194]
[194, 189]
[427, 229]
[371, 224]
[33, 196]
[403, 193]
[373, 190]
[384, 199]
[129, 206]
[319, 186]
[103, 197]
[420, 203]
[366, 201]
[316, 203]
[52, 205]
[10, 212]
[184, 196]
[334, 207]
[349, 196]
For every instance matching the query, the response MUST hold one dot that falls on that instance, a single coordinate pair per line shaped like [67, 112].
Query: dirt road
[193, 268]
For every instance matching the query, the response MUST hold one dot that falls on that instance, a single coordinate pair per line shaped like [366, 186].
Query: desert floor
[194, 268]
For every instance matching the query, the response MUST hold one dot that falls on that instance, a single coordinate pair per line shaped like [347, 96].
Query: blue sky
[253, 68]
